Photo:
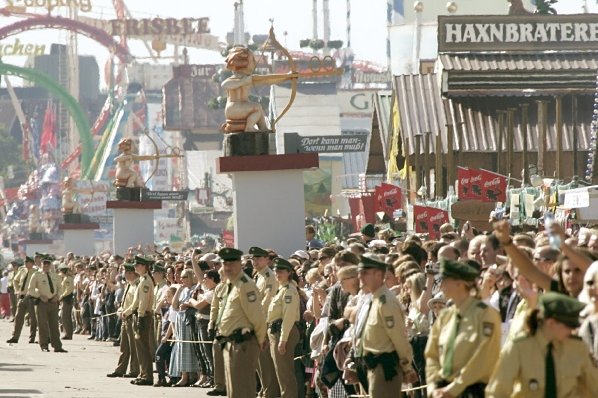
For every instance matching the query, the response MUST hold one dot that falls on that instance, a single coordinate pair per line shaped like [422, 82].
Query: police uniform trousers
[267, 375]
[379, 387]
[66, 316]
[128, 353]
[47, 321]
[240, 365]
[25, 305]
[285, 364]
[144, 344]
[157, 330]
[219, 376]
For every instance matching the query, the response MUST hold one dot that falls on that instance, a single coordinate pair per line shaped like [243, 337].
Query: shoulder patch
[383, 299]
[244, 279]
[251, 296]
[267, 274]
[145, 289]
[482, 305]
[390, 321]
[288, 299]
[488, 329]
[533, 385]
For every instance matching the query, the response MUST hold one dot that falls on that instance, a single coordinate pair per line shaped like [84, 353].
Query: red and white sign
[481, 185]
[388, 198]
[429, 219]
[463, 177]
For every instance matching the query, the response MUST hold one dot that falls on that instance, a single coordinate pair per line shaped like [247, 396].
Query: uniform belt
[275, 326]
[472, 391]
[388, 360]
[236, 337]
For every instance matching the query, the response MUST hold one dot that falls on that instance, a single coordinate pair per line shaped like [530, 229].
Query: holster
[388, 360]
[276, 326]
[473, 391]
[236, 337]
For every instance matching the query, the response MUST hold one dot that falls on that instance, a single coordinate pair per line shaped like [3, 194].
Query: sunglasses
[540, 259]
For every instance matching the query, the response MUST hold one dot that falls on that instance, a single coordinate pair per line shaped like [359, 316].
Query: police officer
[547, 362]
[382, 343]
[67, 298]
[241, 327]
[159, 275]
[219, 378]
[283, 334]
[128, 353]
[142, 306]
[266, 283]
[45, 288]
[24, 304]
[464, 342]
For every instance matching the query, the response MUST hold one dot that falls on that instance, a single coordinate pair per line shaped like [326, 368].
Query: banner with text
[464, 185]
[388, 198]
[429, 220]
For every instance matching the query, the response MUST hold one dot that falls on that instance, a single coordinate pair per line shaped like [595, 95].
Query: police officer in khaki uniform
[143, 325]
[382, 343]
[24, 304]
[547, 362]
[464, 342]
[266, 283]
[241, 327]
[159, 275]
[67, 298]
[128, 353]
[219, 378]
[45, 288]
[283, 334]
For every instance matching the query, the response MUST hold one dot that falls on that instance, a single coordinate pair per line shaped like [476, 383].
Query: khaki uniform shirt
[68, 286]
[476, 347]
[242, 308]
[158, 289]
[384, 329]
[285, 306]
[143, 301]
[40, 287]
[19, 279]
[267, 284]
[520, 371]
[129, 297]
[219, 292]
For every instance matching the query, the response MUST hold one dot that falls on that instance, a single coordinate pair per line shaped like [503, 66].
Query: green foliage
[10, 152]
[336, 44]
[545, 7]
[305, 42]
[327, 232]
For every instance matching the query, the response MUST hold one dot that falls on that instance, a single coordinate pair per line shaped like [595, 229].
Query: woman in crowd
[568, 370]
[283, 334]
[184, 357]
[164, 350]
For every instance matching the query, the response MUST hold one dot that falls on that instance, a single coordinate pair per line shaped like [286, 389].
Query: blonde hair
[188, 272]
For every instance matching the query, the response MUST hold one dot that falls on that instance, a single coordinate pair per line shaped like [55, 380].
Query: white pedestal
[79, 238]
[269, 203]
[30, 247]
[133, 223]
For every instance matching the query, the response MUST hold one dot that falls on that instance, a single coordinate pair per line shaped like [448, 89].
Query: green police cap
[129, 267]
[560, 307]
[159, 267]
[369, 261]
[230, 254]
[457, 270]
[144, 261]
[29, 259]
[46, 258]
[258, 252]
[281, 263]
[368, 230]
[63, 267]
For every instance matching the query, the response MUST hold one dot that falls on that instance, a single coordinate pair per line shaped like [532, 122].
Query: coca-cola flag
[476, 184]
[463, 177]
[436, 217]
[388, 198]
[494, 187]
[421, 218]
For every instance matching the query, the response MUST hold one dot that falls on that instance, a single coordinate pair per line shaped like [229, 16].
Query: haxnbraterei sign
[294, 143]
[517, 32]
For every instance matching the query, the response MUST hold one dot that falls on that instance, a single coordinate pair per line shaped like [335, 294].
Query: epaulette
[482, 305]
[383, 299]
[244, 279]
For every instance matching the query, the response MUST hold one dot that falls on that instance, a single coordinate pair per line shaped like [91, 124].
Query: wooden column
[438, 170]
[542, 122]
[559, 135]
[417, 162]
[525, 173]
[427, 165]
[450, 157]
[510, 138]
[499, 144]
[575, 130]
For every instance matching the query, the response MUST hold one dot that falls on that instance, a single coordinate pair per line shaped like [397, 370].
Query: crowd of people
[471, 314]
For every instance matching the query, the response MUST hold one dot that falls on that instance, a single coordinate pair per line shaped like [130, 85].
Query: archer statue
[126, 176]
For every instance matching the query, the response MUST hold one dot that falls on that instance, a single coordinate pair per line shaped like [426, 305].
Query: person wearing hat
[241, 327]
[283, 313]
[547, 361]
[67, 299]
[464, 342]
[267, 284]
[220, 291]
[368, 233]
[24, 304]
[143, 323]
[160, 288]
[381, 343]
[128, 353]
[45, 288]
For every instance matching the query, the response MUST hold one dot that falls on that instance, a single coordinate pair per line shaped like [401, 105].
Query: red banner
[494, 187]
[464, 176]
[388, 198]
[429, 219]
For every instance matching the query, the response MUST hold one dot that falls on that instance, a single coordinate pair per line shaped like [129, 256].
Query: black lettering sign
[165, 195]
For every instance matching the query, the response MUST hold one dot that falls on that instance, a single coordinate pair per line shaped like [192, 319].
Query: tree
[10, 152]
[545, 7]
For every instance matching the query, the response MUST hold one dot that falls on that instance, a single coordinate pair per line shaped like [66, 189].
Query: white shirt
[4, 285]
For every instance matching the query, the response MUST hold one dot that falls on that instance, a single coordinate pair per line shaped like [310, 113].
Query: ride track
[69, 101]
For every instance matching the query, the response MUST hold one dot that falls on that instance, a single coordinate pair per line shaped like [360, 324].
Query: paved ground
[26, 371]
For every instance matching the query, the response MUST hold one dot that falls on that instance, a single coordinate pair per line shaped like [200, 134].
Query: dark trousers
[163, 359]
[207, 357]
[25, 306]
[145, 325]
[47, 320]
[66, 317]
